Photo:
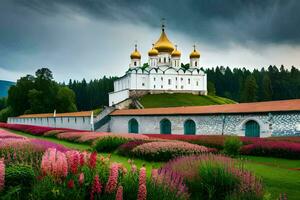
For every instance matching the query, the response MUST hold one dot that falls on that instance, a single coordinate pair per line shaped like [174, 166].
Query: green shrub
[18, 181]
[232, 146]
[214, 182]
[108, 144]
[19, 175]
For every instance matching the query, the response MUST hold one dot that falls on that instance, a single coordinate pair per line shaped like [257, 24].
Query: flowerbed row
[166, 146]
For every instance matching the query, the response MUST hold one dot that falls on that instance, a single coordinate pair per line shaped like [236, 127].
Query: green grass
[178, 99]
[277, 175]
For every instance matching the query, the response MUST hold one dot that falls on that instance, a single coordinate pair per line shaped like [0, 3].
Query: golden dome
[176, 53]
[135, 54]
[163, 44]
[153, 51]
[195, 53]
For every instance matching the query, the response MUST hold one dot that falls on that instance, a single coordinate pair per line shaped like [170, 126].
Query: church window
[134, 63]
[143, 84]
[176, 78]
[196, 63]
[176, 86]
[197, 83]
[189, 81]
[154, 78]
[161, 86]
[182, 87]
[169, 59]
[154, 86]
[181, 79]
[75, 120]
[165, 60]
[162, 78]
[169, 81]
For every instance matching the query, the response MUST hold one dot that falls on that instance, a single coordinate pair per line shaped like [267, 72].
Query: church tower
[176, 58]
[135, 58]
[194, 58]
[164, 48]
[153, 57]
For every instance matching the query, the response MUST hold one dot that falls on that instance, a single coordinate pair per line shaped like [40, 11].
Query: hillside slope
[177, 99]
[4, 86]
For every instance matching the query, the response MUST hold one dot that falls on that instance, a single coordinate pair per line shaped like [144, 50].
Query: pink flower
[142, 177]
[93, 160]
[54, 163]
[133, 168]
[119, 194]
[142, 193]
[71, 184]
[113, 178]
[96, 188]
[73, 160]
[2, 174]
[81, 179]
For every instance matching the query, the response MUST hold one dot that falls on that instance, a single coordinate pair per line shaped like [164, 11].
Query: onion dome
[176, 53]
[163, 44]
[135, 54]
[195, 53]
[153, 51]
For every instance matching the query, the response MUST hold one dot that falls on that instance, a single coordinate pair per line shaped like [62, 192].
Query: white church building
[163, 74]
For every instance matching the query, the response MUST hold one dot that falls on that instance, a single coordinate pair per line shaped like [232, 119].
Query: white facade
[163, 73]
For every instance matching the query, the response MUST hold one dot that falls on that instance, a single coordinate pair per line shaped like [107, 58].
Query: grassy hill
[4, 86]
[178, 99]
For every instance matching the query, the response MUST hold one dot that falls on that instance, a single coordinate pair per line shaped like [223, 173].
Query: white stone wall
[119, 96]
[81, 123]
[278, 124]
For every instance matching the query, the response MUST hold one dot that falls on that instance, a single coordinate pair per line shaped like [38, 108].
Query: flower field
[190, 165]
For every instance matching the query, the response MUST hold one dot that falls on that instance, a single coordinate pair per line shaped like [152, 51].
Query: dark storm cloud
[268, 21]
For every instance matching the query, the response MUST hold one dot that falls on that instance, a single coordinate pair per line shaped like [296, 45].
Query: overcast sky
[89, 39]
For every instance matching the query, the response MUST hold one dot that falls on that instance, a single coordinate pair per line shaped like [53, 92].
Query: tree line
[243, 85]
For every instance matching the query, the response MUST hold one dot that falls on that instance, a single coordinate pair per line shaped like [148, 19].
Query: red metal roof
[257, 107]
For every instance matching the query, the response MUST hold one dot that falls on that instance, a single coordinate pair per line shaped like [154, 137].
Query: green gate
[133, 126]
[189, 127]
[165, 126]
[252, 129]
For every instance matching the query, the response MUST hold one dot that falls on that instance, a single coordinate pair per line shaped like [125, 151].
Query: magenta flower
[142, 192]
[142, 176]
[113, 178]
[96, 187]
[119, 194]
[81, 179]
[93, 160]
[2, 174]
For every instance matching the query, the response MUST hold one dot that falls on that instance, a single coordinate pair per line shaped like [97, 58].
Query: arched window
[165, 60]
[195, 63]
[189, 127]
[252, 129]
[165, 126]
[133, 126]
[134, 63]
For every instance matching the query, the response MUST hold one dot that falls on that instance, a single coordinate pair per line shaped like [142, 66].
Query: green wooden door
[189, 127]
[133, 126]
[165, 126]
[252, 129]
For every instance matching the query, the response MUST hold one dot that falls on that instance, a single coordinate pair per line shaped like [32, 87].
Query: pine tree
[250, 89]
[266, 88]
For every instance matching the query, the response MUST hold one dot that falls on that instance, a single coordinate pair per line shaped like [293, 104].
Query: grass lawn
[279, 175]
[178, 99]
[278, 179]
